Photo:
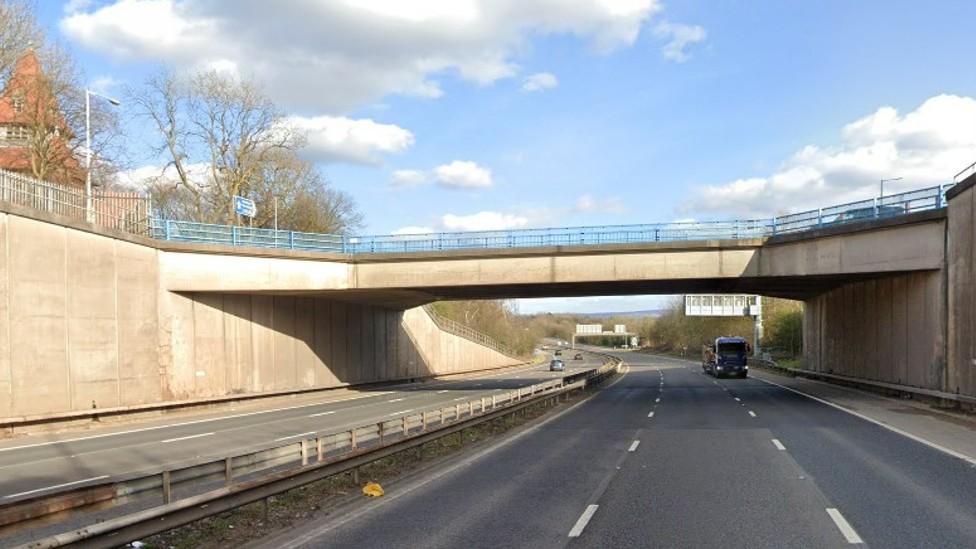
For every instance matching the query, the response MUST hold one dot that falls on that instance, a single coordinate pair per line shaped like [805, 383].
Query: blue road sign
[245, 206]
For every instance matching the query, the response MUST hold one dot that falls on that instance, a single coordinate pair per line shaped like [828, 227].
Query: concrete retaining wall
[962, 288]
[85, 323]
[239, 343]
[890, 329]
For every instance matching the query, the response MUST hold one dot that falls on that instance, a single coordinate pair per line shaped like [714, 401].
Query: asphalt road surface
[38, 465]
[669, 457]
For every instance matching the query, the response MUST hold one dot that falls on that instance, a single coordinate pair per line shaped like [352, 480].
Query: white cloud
[679, 37]
[462, 174]
[140, 177]
[341, 139]
[925, 147]
[337, 56]
[483, 221]
[587, 204]
[104, 84]
[540, 81]
[413, 230]
[408, 178]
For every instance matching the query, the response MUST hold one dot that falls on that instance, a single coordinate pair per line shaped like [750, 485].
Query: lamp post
[88, 150]
[883, 181]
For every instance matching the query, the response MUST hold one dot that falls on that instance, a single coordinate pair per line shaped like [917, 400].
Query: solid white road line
[930, 444]
[177, 439]
[583, 521]
[322, 413]
[751, 413]
[650, 414]
[56, 486]
[294, 436]
[778, 444]
[845, 527]
[633, 446]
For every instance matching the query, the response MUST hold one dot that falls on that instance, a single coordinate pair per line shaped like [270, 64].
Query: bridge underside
[798, 288]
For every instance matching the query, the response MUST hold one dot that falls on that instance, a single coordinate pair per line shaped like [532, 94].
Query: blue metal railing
[889, 206]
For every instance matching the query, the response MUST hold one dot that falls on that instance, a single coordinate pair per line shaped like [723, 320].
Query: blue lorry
[727, 356]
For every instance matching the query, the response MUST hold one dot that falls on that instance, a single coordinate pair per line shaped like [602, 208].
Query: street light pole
[89, 214]
[883, 181]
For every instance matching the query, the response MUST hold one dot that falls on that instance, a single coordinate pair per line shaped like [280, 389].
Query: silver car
[557, 365]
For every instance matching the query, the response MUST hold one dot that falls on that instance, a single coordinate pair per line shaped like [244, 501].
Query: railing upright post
[940, 200]
[228, 470]
[876, 211]
[819, 217]
[233, 234]
[291, 240]
[167, 492]
[169, 229]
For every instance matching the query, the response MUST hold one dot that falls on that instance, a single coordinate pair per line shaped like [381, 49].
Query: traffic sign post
[245, 206]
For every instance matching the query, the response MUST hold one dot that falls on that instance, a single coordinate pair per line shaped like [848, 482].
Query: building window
[18, 102]
[14, 133]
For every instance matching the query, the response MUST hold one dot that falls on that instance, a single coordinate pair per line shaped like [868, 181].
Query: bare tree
[221, 136]
[48, 100]
[18, 32]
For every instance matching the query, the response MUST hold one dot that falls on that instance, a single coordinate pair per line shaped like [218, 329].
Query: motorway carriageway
[668, 457]
[42, 464]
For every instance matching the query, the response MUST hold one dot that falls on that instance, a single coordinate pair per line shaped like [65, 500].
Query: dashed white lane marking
[583, 521]
[442, 392]
[330, 412]
[658, 399]
[737, 399]
[459, 398]
[177, 439]
[778, 444]
[751, 413]
[395, 400]
[72, 483]
[185, 423]
[633, 446]
[407, 411]
[845, 527]
[650, 414]
[295, 436]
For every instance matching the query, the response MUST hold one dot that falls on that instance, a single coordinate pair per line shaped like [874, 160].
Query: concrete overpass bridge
[106, 318]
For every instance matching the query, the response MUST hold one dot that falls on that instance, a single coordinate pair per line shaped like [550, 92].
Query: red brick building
[34, 136]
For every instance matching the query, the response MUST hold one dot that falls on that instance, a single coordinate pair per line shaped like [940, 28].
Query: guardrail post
[304, 450]
[168, 229]
[291, 240]
[233, 235]
[228, 470]
[352, 439]
[167, 492]
[457, 412]
[318, 448]
[406, 427]
[820, 217]
[379, 432]
[494, 402]
[482, 405]
[424, 422]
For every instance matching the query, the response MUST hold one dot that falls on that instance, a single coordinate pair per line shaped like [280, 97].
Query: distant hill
[653, 313]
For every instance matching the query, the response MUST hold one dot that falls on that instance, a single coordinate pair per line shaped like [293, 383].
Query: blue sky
[771, 107]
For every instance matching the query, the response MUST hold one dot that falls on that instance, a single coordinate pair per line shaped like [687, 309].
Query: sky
[493, 114]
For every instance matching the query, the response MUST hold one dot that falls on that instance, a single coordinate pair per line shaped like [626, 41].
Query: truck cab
[727, 356]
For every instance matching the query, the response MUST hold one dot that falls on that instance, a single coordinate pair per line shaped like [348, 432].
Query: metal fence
[460, 330]
[132, 213]
[124, 211]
